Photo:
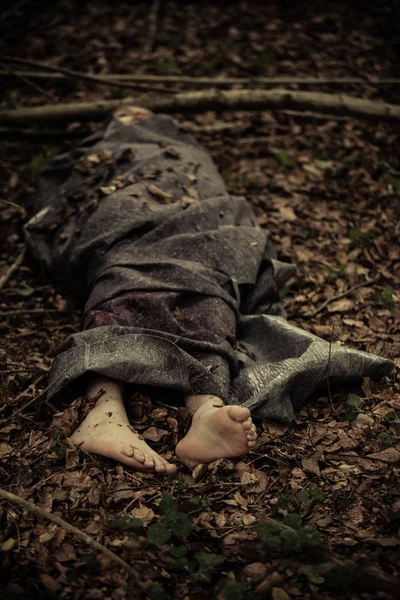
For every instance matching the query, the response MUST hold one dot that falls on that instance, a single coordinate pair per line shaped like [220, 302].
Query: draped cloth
[180, 285]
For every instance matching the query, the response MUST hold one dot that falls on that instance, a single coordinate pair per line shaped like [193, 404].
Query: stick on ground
[14, 267]
[33, 508]
[192, 102]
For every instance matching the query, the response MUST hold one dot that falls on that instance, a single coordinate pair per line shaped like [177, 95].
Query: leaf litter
[313, 510]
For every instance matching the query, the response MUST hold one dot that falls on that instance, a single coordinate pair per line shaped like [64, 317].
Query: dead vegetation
[313, 511]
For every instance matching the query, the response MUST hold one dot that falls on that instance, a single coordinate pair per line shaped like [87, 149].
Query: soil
[314, 510]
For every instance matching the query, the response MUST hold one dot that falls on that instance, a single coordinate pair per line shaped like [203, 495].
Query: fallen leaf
[143, 513]
[8, 545]
[310, 465]
[287, 213]
[386, 542]
[255, 571]
[107, 190]
[342, 305]
[154, 434]
[390, 455]
[50, 583]
[279, 594]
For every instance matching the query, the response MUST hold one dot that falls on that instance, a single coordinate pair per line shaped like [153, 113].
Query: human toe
[159, 465]
[239, 413]
[149, 461]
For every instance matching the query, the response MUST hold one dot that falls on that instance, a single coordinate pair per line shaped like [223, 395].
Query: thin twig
[31, 507]
[14, 267]
[219, 82]
[37, 88]
[152, 31]
[34, 311]
[21, 395]
[78, 75]
[315, 312]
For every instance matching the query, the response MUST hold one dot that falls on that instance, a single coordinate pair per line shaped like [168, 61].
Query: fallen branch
[210, 100]
[33, 508]
[315, 312]
[14, 267]
[218, 82]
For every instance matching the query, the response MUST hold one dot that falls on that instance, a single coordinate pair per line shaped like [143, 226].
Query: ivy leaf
[168, 504]
[179, 523]
[158, 534]
[293, 520]
[178, 551]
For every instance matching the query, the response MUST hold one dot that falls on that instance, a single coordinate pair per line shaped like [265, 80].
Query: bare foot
[217, 431]
[106, 431]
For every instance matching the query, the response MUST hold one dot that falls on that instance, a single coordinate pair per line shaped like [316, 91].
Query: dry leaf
[144, 514]
[310, 465]
[107, 190]
[343, 305]
[287, 213]
[50, 583]
[8, 545]
[154, 434]
[255, 571]
[390, 455]
[279, 594]
[159, 193]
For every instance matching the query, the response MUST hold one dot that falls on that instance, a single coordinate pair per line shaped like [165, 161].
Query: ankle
[193, 403]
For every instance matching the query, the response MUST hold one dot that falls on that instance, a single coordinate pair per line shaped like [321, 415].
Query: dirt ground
[314, 510]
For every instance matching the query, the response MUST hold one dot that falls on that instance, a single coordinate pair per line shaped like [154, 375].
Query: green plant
[386, 297]
[354, 404]
[336, 271]
[173, 523]
[358, 237]
[37, 163]
[284, 158]
[387, 441]
[291, 537]
[315, 573]
[312, 493]
[59, 448]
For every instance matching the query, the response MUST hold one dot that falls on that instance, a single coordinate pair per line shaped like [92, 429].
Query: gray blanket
[180, 285]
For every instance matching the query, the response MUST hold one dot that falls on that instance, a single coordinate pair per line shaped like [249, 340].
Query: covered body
[181, 286]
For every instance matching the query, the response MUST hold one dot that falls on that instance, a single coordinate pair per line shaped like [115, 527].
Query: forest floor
[314, 510]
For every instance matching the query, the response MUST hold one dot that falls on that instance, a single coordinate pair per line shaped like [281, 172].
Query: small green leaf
[266, 531]
[157, 592]
[324, 568]
[158, 534]
[306, 569]
[61, 451]
[354, 404]
[316, 579]
[284, 158]
[293, 520]
[208, 560]
[180, 524]
[178, 551]
[168, 504]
